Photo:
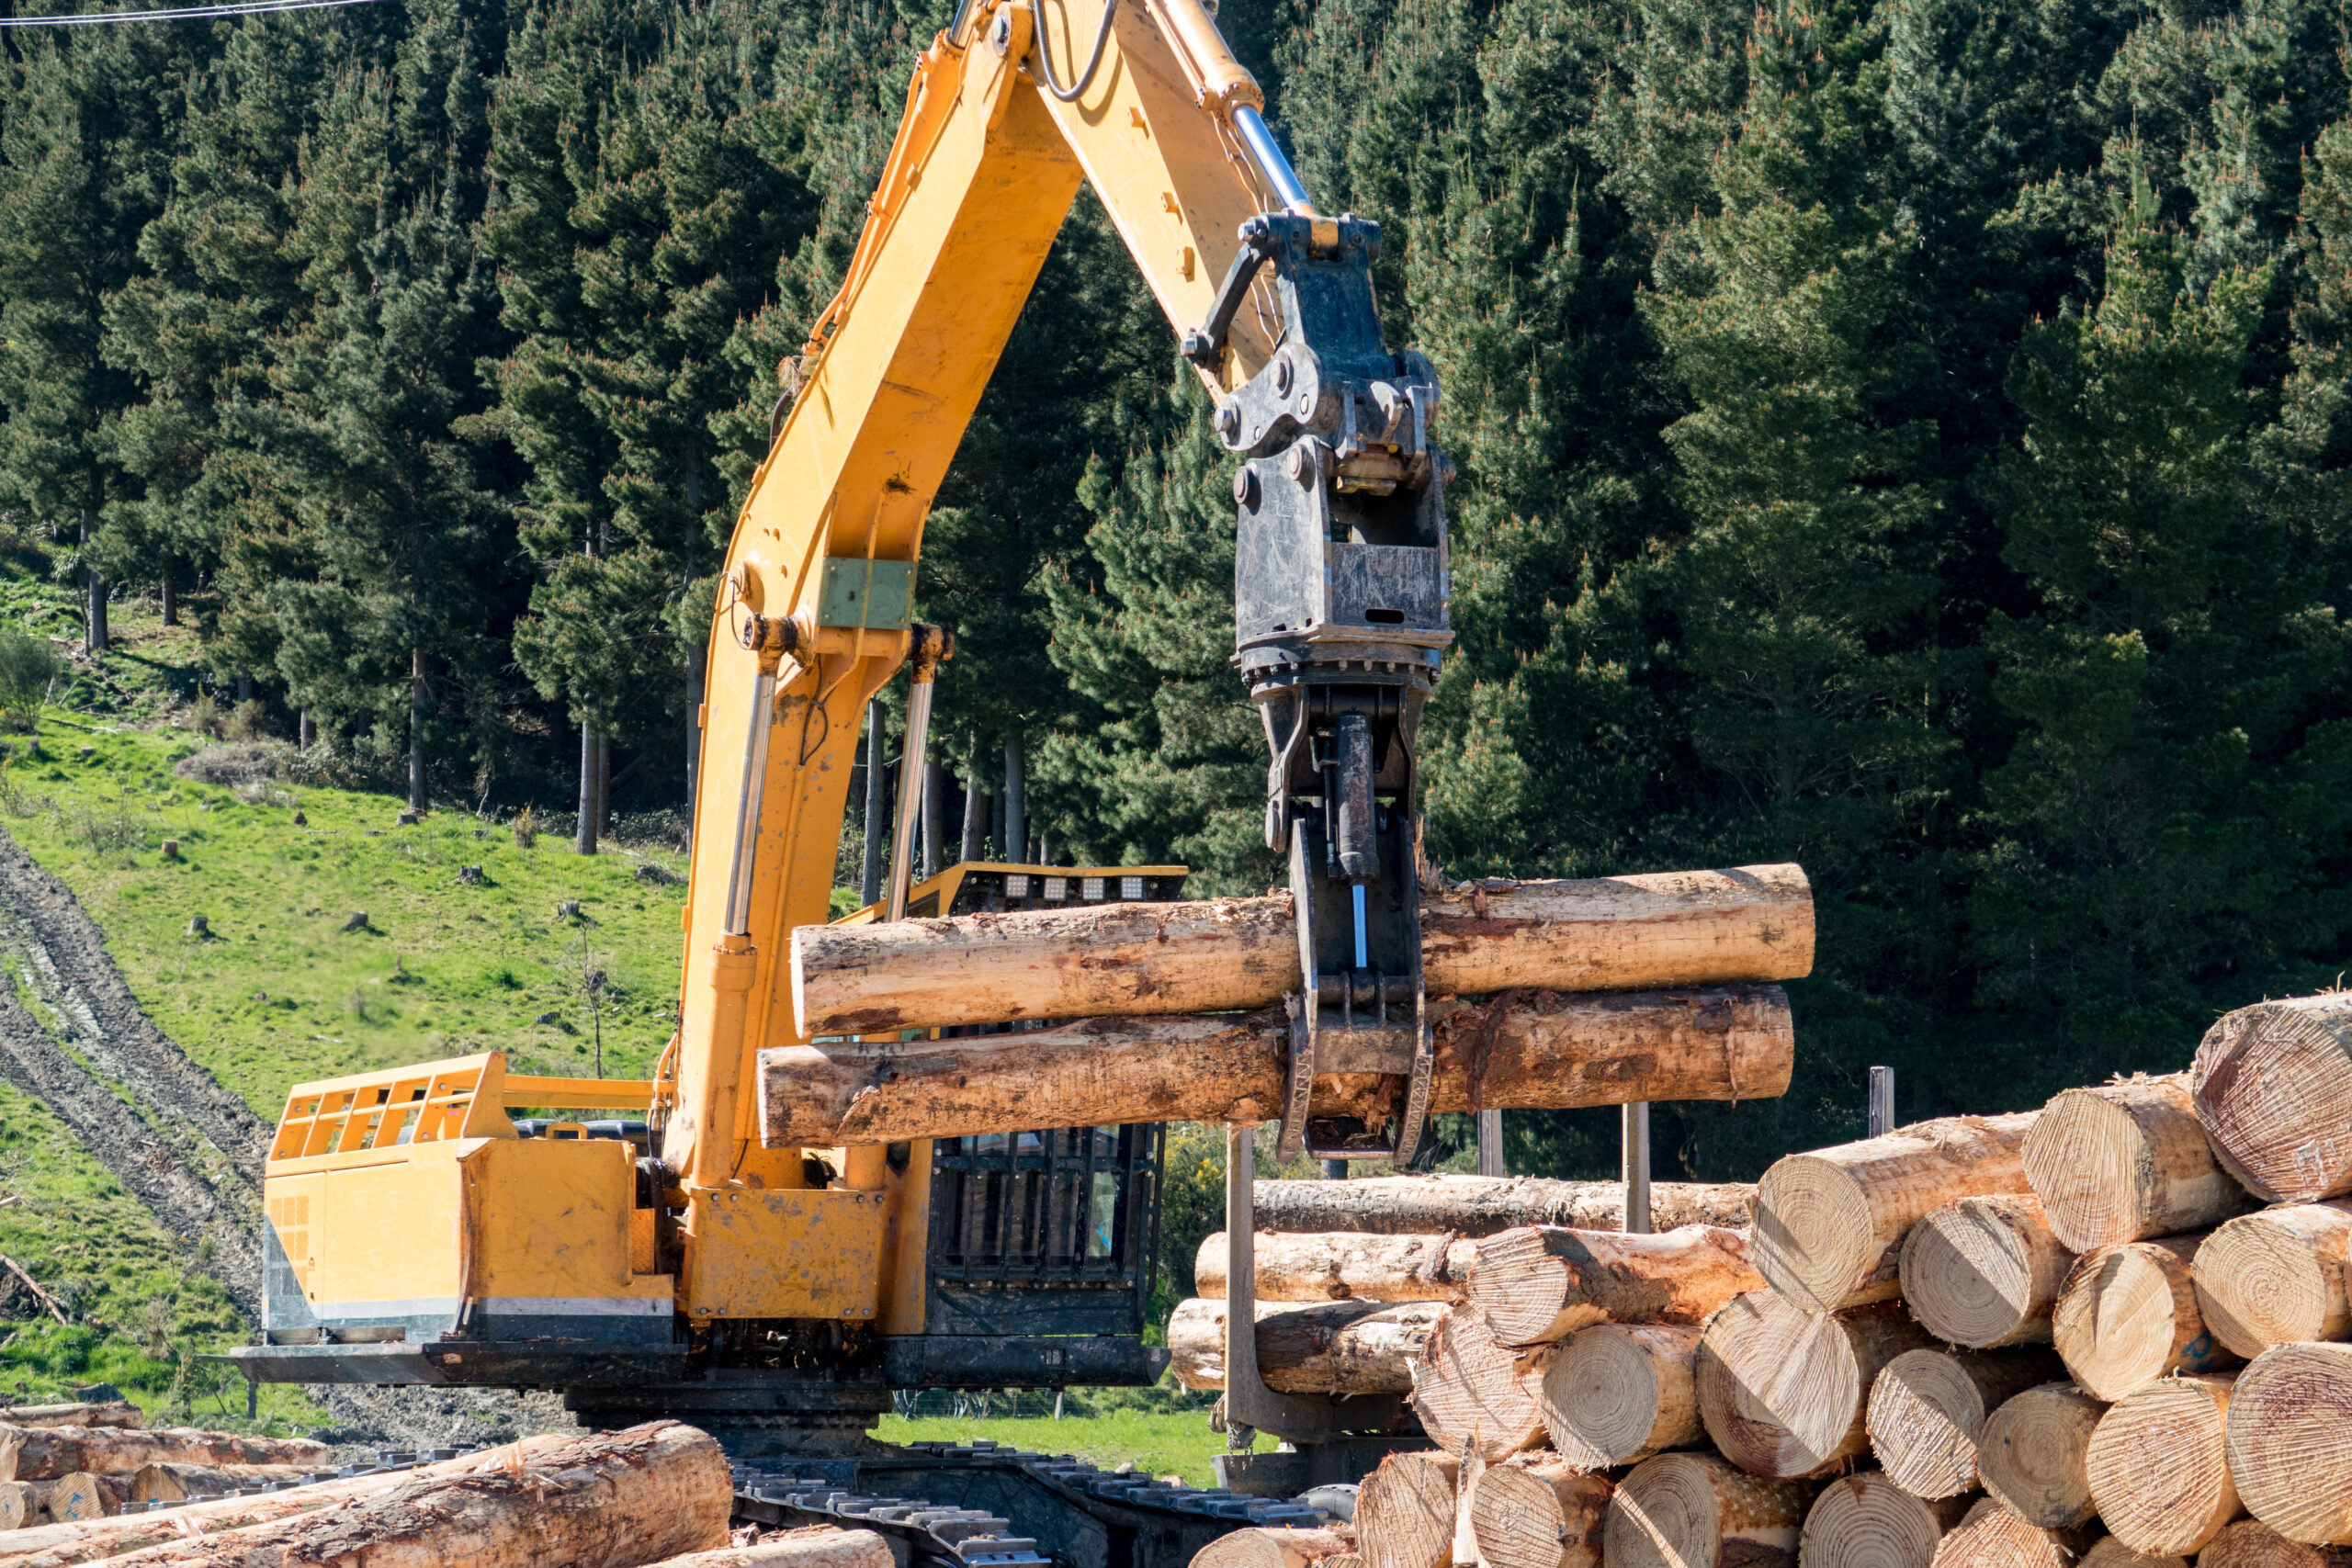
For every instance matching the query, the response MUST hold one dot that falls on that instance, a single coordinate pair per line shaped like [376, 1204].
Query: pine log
[814, 1546]
[1540, 1050]
[60, 1546]
[2108, 1552]
[1484, 1205]
[1328, 1348]
[1990, 1536]
[1472, 1394]
[2032, 1455]
[1277, 1547]
[602, 1500]
[2158, 1467]
[1622, 933]
[18, 1507]
[108, 1413]
[1829, 1224]
[44, 1453]
[2128, 1314]
[2273, 1087]
[2290, 1441]
[178, 1482]
[1927, 1410]
[1404, 1512]
[65, 1499]
[1617, 1393]
[1344, 1265]
[2276, 1276]
[2126, 1160]
[1865, 1520]
[1539, 1511]
[1782, 1392]
[2250, 1543]
[1697, 1511]
[1541, 1283]
[1985, 1272]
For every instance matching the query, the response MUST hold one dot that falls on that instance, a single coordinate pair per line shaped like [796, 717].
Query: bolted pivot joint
[931, 646]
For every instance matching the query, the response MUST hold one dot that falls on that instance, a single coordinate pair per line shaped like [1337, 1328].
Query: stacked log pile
[61, 1464]
[2116, 1331]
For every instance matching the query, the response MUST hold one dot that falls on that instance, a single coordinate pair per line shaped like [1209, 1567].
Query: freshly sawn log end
[1781, 1390]
[1990, 1536]
[2250, 1543]
[2129, 1316]
[1865, 1520]
[2033, 1455]
[2277, 1276]
[1697, 1511]
[1985, 1272]
[1404, 1512]
[1472, 1394]
[2273, 1088]
[1617, 1393]
[2290, 1442]
[1539, 1511]
[2158, 1466]
[1927, 1410]
[2126, 1160]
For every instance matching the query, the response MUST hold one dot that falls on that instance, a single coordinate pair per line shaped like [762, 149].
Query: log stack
[58, 1472]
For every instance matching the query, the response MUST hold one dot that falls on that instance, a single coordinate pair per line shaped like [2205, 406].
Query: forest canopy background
[1909, 438]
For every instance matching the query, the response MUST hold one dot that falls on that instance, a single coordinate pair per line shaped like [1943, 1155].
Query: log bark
[2108, 1552]
[1333, 1348]
[1541, 1050]
[2158, 1466]
[178, 1482]
[1927, 1410]
[2032, 1455]
[1404, 1512]
[1485, 1205]
[1985, 1272]
[1344, 1265]
[1541, 1283]
[2290, 1441]
[604, 1500]
[1696, 1511]
[2250, 1543]
[1624, 933]
[1829, 1224]
[1617, 1393]
[2126, 1160]
[2276, 1276]
[109, 1413]
[817, 1546]
[1782, 1392]
[2129, 1316]
[2273, 1088]
[1989, 1536]
[1539, 1511]
[1472, 1394]
[1865, 1520]
[60, 1546]
[44, 1453]
[1277, 1547]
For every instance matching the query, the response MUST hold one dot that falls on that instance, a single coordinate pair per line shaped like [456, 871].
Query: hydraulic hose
[1045, 54]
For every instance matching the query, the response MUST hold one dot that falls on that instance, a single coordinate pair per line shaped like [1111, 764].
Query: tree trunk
[1539, 1511]
[936, 781]
[2273, 1089]
[1927, 1409]
[60, 1546]
[698, 677]
[1538, 1049]
[1472, 1394]
[112, 1413]
[813, 1546]
[173, 1483]
[1782, 1390]
[1404, 1512]
[94, 609]
[2277, 1276]
[2158, 1468]
[44, 1453]
[1014, 842]
[2126, 1160]
[2128, 1314]
[1829, 1224]
[2290, 1441]
[1484, 1205]
[614, 1499]
[1277, 1547]
[877, 805]
[1225, 955]
[2030, 1456]
[167, 592]
[2250, 1543]
[305, 731]
[1985, 1272]
[1617, 1393]
[1540, 1284]
[1867, 1521]
[604, 786]
[583, 838]
[976, 802]
[1344, 1267]
[416, 730]
[1695, 1511]
[1991, 1536]
[1331, 1347]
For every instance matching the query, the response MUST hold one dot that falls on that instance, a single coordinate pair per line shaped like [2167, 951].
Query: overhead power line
[177, 14]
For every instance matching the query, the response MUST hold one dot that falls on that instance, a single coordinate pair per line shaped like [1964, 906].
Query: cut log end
[2158, 1466]
[2126, 1160]
[1616, 1393]
[1781, 1390]
[1696, 1511]
[1865, 1520]
[1985, 1272]
[1538, 1511]
[2129, 1316]
[1472, 1393]
[1276, 1548]
[1927, 1411]
[2109, 1552]
[2032, 1455]
[1991, 1536]
[2273, 1088]
[2250, 1543]
[1404, 1512]
[2290, 1443]
[2276, 1277]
